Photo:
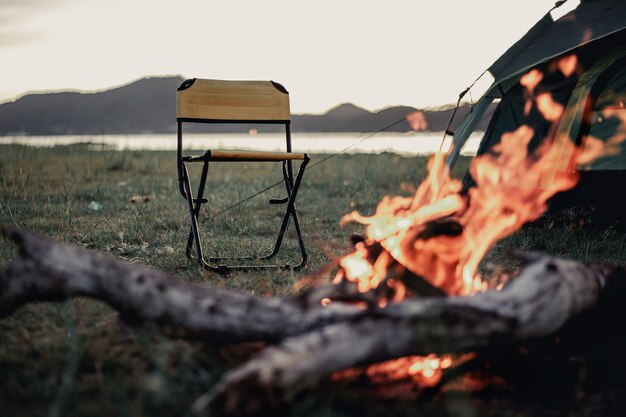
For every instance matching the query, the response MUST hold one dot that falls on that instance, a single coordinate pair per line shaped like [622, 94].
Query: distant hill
[149, 106]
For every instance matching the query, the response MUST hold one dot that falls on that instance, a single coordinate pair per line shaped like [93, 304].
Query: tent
[579, 62]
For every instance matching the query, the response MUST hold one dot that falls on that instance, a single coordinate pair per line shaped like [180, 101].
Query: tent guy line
[313, 165]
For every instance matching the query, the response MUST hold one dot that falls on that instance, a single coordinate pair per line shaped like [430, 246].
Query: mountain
[350, 118]
[146, 105]
[346, 111]
[149, 106]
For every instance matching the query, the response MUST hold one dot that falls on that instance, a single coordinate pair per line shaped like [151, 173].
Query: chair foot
[219, 269]
[226, 269]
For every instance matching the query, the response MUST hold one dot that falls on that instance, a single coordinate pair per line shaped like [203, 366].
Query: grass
[77, 359]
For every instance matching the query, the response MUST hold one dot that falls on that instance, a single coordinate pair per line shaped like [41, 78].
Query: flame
[417, 120]
[568, 65]
[550, 109]
[502, 201]
[531, 79]
[441, 234]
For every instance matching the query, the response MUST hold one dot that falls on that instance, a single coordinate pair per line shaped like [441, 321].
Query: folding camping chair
[214, 101]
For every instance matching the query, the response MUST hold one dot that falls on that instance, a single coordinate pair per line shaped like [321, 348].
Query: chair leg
[285, 222]
[194, 220]
[305, 257]
[294, 215]
[194, 210]
[290, 212]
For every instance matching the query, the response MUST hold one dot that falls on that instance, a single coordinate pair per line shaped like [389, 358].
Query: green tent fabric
[593, 26]
[591, 20]
[608, 119]
[593, 96]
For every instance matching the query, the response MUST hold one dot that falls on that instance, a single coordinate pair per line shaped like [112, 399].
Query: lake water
[411, 143]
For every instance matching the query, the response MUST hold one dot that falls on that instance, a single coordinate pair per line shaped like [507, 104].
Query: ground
[79, 359]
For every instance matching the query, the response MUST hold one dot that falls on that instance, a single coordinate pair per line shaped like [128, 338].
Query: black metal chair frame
[291, 182]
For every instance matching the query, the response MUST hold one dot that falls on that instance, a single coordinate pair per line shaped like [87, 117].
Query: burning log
[312, 341]
[540, 301]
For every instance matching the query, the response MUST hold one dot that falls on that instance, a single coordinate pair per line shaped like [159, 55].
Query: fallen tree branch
[45, 270]
[314, 341]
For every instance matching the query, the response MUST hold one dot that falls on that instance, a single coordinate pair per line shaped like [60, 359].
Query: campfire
[439, 236]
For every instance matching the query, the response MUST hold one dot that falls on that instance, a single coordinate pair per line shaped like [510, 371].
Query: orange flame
[510, 191]
[417, 120]
[531, 79]
[568, 65]
[502, 201]
[550, 109]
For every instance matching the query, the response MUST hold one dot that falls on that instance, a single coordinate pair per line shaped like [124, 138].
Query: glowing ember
[423, 371]
[426, 371]
[429, 368]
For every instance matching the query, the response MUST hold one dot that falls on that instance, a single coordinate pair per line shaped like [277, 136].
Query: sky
[374, 54]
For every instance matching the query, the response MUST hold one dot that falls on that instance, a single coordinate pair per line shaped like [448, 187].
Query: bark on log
[314, 341]
[45, 270]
